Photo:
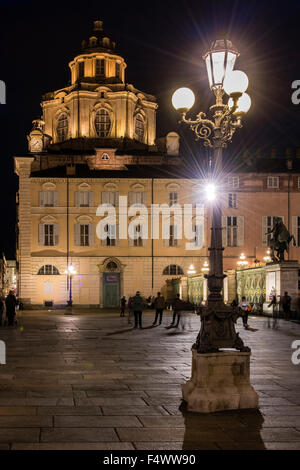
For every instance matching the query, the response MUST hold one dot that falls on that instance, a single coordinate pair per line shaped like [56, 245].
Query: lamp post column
[216, 276]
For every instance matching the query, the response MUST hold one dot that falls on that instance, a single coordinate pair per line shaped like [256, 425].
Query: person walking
[273, 304]
[10, 303]
[246, 307]
[159, 305]
[138, 304]
[123, 305]
[178, 306]
[2, 310]
[286, 306]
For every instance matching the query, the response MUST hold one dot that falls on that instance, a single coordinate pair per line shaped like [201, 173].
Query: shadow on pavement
[228, 430]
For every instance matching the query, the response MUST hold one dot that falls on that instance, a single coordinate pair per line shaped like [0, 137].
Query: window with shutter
[296, 228]
[232, 231]
[84, 235]
[49, 237]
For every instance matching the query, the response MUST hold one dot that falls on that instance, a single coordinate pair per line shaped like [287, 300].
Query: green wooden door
[111, 290]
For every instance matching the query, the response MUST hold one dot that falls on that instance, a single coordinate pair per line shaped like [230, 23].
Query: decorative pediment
[49, 186]
[84, 219]
[62, 109]
[137, 187]
[173, 187]
[48, 219]
[110, 186]
[84, 187]
[105, 158]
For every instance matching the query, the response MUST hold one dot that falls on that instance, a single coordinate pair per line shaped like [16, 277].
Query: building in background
[97, 141]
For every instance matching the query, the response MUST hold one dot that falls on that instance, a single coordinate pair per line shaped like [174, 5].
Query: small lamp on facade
[267, 258]
[191, 270]
[242, 263]
[205, 268]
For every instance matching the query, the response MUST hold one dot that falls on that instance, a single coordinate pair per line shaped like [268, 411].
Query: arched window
[62, 127]
[48, 270]
[139, 127]
[173, 270]
[102, 123]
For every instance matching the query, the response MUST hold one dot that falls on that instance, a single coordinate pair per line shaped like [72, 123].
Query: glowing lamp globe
[243, 104]
[210, 191]
[235, 82]
[183, 98]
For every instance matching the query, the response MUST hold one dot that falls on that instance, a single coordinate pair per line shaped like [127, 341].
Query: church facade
[96, 145]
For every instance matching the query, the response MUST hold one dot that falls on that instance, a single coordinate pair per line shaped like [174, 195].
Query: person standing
[138, 304]
[2, 310]
[245, 306]
[123, 305]
[178, 306]
[159, 305]
[10, 303]
[286, 305]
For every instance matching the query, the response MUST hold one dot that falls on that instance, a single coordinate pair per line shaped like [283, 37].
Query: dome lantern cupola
[98, 41]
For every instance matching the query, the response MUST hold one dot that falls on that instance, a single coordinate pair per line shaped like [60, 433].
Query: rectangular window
[173, 239]
[81, 69]
[100, 67]
[112, 238]
[117, 70]
[232, 229]
[173, 198]
[273, 182]
[84, 235]
[110, 197]
[83, 199]
[48, 198]
[298, 232]
[232, 182]
[232, 201]
[49, 235]
[298, 182]
[137, 198]
[138, 241]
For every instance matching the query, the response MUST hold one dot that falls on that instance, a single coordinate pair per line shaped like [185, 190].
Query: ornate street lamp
[217, 319]
[242, 263]
[70, 271]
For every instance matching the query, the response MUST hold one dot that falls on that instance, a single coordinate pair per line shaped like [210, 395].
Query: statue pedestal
[220, 381]
[280, 278]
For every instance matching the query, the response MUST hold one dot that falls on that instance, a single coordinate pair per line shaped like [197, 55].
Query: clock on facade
[36, 144]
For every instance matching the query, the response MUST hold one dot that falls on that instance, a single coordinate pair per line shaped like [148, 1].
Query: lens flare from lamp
[243, 104]
[236, 82]
[183, 98]
[210, 191]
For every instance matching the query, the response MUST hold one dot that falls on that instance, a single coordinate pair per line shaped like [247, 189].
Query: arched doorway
[111, 283]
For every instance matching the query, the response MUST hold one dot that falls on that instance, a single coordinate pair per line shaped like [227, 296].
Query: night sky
[162, 43]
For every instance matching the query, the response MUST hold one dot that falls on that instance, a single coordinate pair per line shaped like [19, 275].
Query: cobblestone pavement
[89, 381]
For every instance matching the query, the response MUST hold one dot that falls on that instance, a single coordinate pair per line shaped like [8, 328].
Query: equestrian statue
[280, 241]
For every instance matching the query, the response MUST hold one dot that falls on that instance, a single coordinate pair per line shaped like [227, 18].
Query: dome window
[139, 129]
[102, 123]
[62, 127]
[81, 69]
[100, 67]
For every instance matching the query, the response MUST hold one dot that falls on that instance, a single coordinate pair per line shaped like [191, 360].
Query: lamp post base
[220, 381]
[218, 329]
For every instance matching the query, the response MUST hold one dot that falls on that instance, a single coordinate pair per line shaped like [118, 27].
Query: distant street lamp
[191, 270]
[216, 134]
[242, 263]
[70, 271]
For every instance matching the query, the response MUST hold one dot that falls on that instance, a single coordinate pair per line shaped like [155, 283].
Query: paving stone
[69, 410]
[25, 421]
[134, 410]
[75, 446]
[17, 410]
[19, 435]
[96, 421]
[170, 434]
[79, 435]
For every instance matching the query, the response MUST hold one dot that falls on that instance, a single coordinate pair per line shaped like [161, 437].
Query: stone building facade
[97, 141]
